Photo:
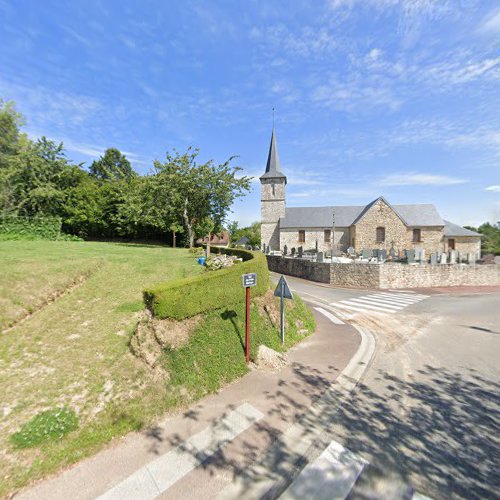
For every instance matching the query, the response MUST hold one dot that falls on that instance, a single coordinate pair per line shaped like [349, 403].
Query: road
[427, 411]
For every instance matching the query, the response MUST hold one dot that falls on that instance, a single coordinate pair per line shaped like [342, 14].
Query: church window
[328, 235]
[302, 236]
[380, 234]
[417, 236]
[272, 187]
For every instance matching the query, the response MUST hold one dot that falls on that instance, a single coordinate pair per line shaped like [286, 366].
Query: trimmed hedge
[184, 298]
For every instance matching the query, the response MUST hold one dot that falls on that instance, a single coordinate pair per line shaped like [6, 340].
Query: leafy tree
[232, 229]
[252, 232]
[112, 166]
[10, 121]
[199, 191]
[490, 242]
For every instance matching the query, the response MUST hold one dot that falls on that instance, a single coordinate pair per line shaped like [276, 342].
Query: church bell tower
[272, 200]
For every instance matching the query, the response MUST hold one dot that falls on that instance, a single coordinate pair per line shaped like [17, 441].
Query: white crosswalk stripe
[379, 303]
[331, 476]
[157, 476]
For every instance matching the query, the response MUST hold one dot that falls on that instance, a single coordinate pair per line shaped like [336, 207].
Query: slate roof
[451, 229]
[273, 166]
[424, 215]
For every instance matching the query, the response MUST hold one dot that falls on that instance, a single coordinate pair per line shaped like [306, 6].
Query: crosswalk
[390, 302]
[333, 476]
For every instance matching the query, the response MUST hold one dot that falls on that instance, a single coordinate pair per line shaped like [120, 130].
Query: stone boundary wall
[390, 275]
[300, 268]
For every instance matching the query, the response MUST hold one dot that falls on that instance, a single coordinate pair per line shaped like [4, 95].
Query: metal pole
[282, 310]
[247, 325]
[333, 233]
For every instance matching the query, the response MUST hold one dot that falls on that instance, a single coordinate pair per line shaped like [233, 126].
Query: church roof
[451, 229]
[273, 167]
[424, 215]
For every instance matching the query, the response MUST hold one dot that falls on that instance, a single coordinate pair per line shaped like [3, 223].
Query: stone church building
[378, 225]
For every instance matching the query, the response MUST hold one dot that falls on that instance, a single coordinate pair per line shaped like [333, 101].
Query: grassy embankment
[74, 350]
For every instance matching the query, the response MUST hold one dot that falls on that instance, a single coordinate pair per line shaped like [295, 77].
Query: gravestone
[351, 251]
[383, 254]
[434, 258]
[316, 247]
[268, 249]
[460, 257]
[320, 257]
[293, 251]
[285, 250]
[422, 255]
[453, 257]
[443, 258]
[367, 254]
[392, 252]
[301, 251]
[410, 256]
[471, 258]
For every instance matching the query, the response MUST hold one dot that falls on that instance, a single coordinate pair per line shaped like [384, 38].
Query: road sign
[249, 279]
[283, 292]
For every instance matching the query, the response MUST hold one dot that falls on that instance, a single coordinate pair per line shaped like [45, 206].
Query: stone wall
[290, 238]
[301, 268]
[466, 245]
[427, 276]
[390, 275]
[355, 275]
[382, 215]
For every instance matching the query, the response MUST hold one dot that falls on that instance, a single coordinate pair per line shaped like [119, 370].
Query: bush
[30, 228]
[48, 425]
[187, 297]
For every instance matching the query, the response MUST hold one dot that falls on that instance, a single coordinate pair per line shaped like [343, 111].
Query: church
[377, 225]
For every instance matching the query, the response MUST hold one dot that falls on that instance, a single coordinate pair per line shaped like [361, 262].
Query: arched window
[380, 234]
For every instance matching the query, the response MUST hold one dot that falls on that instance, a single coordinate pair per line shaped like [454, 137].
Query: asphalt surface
[427, 412]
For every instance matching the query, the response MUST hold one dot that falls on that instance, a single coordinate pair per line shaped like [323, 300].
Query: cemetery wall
[441, 275]
[355, 275]
[290, 238]
[301, 268]
[390, 275]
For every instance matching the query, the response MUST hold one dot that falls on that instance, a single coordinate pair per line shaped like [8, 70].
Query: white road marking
[331, 476]
[361, 309]
[405, 296]
[366, 306]
[157, 476]
[386, 300]
[419, 496]
[398, 299]
[366, 300]
[330, 316]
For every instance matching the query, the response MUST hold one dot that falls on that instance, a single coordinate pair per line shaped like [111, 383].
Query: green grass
[74, 351]
[46, 426]
[215, 353]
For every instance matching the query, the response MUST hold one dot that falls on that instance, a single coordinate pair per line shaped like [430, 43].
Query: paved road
[427, 412]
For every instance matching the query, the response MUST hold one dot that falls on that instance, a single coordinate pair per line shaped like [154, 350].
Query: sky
[399, 98]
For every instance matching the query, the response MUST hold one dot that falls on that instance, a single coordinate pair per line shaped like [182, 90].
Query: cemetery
[378, 245]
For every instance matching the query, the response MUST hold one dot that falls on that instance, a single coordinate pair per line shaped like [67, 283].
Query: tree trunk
[189, 226]
[208, 244]
[173, 238]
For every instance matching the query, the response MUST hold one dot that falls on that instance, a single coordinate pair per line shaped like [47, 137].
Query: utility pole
[332, 239]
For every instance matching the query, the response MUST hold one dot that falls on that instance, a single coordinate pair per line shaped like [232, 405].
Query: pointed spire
[273, 167]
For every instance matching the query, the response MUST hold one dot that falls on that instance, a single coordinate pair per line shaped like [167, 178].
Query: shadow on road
[439, 432]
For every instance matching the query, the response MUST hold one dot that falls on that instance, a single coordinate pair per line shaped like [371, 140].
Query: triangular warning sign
[283, 290]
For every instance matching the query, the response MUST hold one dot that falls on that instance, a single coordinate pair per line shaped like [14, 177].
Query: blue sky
[399, 98]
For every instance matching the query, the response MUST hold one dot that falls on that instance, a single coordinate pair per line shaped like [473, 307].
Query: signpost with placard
[248, 280]
[283, 292]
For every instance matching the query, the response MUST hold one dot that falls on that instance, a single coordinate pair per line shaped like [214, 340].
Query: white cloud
[493, 189]
[491, 23]
[413, 179]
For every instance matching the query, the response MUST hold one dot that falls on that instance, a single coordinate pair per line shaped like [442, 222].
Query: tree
[232, 229]
[200, 191]
[112, 166]
[205, 227]
[10, 121]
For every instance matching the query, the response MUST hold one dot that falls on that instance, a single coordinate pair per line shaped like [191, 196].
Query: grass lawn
[73, 351]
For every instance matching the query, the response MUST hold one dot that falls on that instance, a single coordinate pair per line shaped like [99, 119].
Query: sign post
[283, 292]
[248, 281]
